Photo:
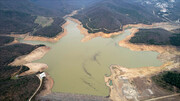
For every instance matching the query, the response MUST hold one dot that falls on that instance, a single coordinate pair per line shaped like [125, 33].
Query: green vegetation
[156, 37]
[12, 22]
[5, 40]
[168, 80]
[50, 31]
[110, 83]
[44, 21]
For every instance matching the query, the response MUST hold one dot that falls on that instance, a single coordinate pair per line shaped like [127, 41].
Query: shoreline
[117, 72]
[28, 37]
[53, 40]
[34, 68]
[88, 36]
[130, 73]
[34, 55]
[26, 60]
[48, 84]
[143, 47]
[37, 54]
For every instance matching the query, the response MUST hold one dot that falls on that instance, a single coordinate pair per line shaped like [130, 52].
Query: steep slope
[16, 22]
[63, 7]
[24, 6]
[18, 16]
[111, 15]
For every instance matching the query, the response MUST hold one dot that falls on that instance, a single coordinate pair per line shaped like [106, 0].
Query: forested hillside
[19, 16]
[16, 22]
[156, 36]
[24, 6]
[111, 15]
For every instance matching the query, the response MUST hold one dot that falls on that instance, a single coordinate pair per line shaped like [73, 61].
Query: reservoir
[80, 67]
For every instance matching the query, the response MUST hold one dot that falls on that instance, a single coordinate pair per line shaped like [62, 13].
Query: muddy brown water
[80, 67]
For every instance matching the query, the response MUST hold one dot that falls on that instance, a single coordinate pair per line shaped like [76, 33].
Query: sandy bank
[89, 36]
[34, 55]
[54, 39]
[72, 14]
[14, 42]
[34, 68]
[120, 75]
[143, 47]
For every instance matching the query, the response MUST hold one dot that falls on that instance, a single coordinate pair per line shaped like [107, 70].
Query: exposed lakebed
[80, 67]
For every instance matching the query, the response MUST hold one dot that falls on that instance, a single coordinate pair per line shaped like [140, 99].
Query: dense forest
[19, 89]
[16, 22]
[13, 87]
[10, 52]
[12, 23]
[8, 72]
[168, 80]
[5, 40]
[52, 30]
[111, 15]
[19, 17]
[156, 37]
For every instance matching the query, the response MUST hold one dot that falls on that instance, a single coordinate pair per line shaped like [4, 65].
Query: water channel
[80, 67]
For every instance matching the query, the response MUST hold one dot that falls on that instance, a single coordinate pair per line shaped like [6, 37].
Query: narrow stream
[80, 67]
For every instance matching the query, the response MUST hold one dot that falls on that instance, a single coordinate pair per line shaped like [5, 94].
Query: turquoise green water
[110, 83]
[79, 67]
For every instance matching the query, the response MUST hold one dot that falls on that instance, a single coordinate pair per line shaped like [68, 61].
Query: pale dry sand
[89, 36]
[144, 47]
[34, 68]
[40, 52]
[128, 73]
[34, 55]
[72, 14]
[134, 72]
[14, 42]
[116, 95]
